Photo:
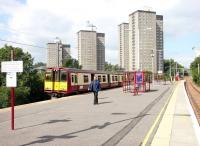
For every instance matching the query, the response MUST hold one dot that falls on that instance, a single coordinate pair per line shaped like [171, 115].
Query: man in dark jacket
[95, 87]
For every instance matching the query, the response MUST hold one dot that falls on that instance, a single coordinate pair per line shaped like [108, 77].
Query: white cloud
[42, 20]
[9, 6]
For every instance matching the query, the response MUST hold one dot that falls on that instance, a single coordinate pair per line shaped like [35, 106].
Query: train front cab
[56, 81]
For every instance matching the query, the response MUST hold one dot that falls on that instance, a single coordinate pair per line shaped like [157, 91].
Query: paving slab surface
[177, 128]
[119, 119]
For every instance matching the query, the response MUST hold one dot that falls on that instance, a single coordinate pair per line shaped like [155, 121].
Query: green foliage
[39, 64]
[30, 83]
[171, 64]
[22, 95]
[194, 69]
[110, 67]
[4, 97]
[71, 63]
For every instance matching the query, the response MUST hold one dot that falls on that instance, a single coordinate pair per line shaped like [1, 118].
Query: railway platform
[178, 126]
[161, 117]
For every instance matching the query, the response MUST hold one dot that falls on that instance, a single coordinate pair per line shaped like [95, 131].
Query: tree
[194, 69]
[110, 67]
[170, 65]
[29, 84]
[39, 64]
[71, 63]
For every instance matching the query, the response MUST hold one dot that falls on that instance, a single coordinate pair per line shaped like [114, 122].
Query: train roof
[84, 71]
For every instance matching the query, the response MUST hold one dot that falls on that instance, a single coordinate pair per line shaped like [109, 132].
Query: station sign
[12, 66]
[11, 79]
[139, 78]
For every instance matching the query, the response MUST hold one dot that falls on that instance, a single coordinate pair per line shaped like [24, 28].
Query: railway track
[194, 97]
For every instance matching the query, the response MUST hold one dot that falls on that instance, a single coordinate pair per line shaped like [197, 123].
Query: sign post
[139, 81]
[12, 109]
[11, 68]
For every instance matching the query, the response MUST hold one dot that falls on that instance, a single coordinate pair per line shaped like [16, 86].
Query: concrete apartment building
[123, 30]
[91, 50]
[145, 41]
[100, 51]
[159, 42]
[57, 53]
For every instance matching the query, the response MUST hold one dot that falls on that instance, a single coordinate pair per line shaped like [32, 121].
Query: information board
[12, 66]
[11, 79]
[139, 78]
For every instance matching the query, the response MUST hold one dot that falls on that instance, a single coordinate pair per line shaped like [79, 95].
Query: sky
[38, 22]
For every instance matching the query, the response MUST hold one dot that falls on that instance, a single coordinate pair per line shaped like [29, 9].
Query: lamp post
[152, 56]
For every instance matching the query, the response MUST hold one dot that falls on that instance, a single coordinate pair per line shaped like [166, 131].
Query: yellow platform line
[172, 95]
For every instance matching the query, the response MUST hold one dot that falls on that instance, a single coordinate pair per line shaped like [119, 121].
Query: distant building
[100, 51]
[57, 53]
[159, 43]
[123, 32]
[144, 42]
[91, 50]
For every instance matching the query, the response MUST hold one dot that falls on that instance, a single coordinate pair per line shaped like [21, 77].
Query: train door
[56, 80]
[76, 81]
[108, 80]
[63, 80]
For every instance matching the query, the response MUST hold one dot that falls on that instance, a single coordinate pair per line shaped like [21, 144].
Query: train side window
[76, 80]
[72, 78]
[104, 78]
[63, 76]
[113, 78]
[85, 79]
[99, 78]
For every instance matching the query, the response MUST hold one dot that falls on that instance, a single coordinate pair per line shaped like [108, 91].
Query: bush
[4, 97]
[21, 95]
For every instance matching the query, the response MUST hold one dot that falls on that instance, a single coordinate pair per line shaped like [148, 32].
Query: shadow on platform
[118, 113]
[103, 97]
[152, 90]
[50, 122]
[48, 138]
[105, 102]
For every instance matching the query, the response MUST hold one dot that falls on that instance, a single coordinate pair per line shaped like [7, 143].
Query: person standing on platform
[94, 87]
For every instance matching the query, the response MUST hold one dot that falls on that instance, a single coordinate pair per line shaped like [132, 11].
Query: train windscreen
[63, 76]
[48, 75]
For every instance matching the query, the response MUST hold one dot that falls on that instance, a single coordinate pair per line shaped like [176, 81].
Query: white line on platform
[193, 117]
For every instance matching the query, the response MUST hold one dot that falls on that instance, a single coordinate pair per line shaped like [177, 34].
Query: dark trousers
[95, 97]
